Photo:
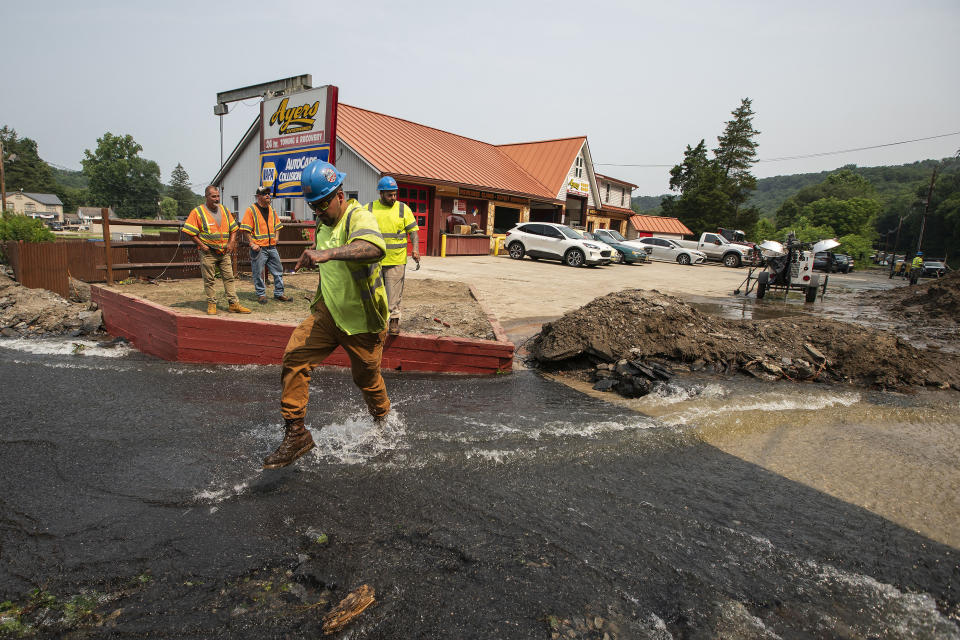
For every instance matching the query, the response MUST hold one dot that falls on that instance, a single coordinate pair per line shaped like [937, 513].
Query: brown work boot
[211, 308]
[394, 328]
[283, 298]
[236, 307]
[296, 442]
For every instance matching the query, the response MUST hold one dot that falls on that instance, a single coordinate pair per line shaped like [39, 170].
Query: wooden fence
[170, 254]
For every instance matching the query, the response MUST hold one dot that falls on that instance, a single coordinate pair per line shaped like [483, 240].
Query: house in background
[36, 205]
[613, 211]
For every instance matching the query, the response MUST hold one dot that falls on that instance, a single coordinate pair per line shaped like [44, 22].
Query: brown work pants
[393, 282]
[311, 343]
[209, 261]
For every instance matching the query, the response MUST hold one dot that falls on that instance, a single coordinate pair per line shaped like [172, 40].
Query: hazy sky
[640, 79]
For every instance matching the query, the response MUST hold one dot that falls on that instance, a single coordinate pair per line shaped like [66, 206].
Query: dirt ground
[433, 307]
[646, 326]
[934, 301]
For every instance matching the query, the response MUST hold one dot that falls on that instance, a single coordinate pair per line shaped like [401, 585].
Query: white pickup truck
[719, 249]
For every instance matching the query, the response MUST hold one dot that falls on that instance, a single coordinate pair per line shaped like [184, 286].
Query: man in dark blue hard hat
[349, 309]
[396, 223]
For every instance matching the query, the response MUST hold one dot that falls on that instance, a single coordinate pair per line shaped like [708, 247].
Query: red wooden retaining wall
[175, 336]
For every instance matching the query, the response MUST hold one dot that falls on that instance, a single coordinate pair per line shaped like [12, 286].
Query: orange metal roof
[659, 224]
[403, 148]
[549, 160]
[610, 207]
[618, 180]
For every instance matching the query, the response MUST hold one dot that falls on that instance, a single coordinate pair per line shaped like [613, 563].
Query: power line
[809, 155]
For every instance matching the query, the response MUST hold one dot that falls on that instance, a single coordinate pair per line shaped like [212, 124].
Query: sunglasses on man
[322, 205]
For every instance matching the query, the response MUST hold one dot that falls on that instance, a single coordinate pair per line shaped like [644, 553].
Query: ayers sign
[297, 120]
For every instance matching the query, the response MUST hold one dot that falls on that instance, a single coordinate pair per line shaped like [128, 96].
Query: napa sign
[280, 171]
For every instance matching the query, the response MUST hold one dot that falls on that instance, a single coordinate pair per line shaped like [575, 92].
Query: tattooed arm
[360, 250]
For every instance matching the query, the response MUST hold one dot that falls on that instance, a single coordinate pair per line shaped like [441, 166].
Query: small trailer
[788, 268]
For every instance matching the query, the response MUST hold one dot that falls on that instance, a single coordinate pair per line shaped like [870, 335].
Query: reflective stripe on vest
[387, 237]
[218, 239]
[264, 236]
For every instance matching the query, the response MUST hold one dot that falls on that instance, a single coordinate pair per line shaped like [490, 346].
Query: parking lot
[523, 294]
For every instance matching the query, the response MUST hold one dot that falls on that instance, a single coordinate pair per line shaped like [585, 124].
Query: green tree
[736, 152]
[27, 171]
[120, 178]
[16, 227]
[713, 192]
[844, 216]
[180, 190]
[702, 204]
[858, 246]
[168, 208]
[764, 229]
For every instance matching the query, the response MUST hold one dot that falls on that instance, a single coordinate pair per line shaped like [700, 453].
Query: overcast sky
[640, 79]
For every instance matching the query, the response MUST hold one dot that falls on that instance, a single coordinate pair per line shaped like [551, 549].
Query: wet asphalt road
[489, 507]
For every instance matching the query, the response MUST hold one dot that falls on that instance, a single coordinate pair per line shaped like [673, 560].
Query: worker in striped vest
[214, 231]
[262, 226]
[396, 223]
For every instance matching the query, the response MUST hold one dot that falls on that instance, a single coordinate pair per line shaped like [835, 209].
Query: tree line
[864, 208]
[114, 175]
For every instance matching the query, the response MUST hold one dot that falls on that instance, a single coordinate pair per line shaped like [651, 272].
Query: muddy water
[487, 508]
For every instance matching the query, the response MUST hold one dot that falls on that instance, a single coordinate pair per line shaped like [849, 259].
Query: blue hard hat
[319, 179]
[387, 184]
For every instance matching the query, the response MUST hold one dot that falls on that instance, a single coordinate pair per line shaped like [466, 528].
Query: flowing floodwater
[510, 506]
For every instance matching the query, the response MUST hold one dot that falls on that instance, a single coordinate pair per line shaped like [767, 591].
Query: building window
[578, 167]
[29, 207]
[236, 204]
[352, 195]
[625, 202]
[287, 205]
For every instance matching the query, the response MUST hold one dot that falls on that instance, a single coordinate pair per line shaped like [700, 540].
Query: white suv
[555, 242]
[665, 249]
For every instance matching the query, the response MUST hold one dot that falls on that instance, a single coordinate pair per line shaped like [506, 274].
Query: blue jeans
[267, 257]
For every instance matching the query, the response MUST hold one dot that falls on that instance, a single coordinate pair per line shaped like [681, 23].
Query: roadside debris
[26, 312]
[935, 301]
[627, 340]
[348, 609]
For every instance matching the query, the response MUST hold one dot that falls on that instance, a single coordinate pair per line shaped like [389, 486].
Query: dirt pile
[26, 312]
[931, 301]
[636, 325]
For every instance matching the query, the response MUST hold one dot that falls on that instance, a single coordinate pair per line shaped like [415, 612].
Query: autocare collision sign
[297, 120]
[280, 170]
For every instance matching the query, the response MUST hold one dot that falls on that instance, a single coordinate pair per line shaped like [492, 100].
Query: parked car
[830, 262]
[934, 269]
[670, 251]
[843, 262]
[716, 247]
[624, 252]
[555, 242]
[55, 225]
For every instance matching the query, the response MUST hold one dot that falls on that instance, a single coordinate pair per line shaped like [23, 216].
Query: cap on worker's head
[263, 191]
[319, 179]
[387, 184]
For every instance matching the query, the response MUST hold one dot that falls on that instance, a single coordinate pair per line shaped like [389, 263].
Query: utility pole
[926, 209]
[896, 241]
[3, 184]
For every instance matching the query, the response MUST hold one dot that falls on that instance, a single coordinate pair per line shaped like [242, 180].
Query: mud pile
[646, 326]
[26, 312]
[930, 302]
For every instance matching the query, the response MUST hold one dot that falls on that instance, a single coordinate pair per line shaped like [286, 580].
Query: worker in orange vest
[214, 231]
[262, 226]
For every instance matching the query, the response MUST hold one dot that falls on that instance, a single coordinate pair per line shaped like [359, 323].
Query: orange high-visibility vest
[201, 223]
[264, 233]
